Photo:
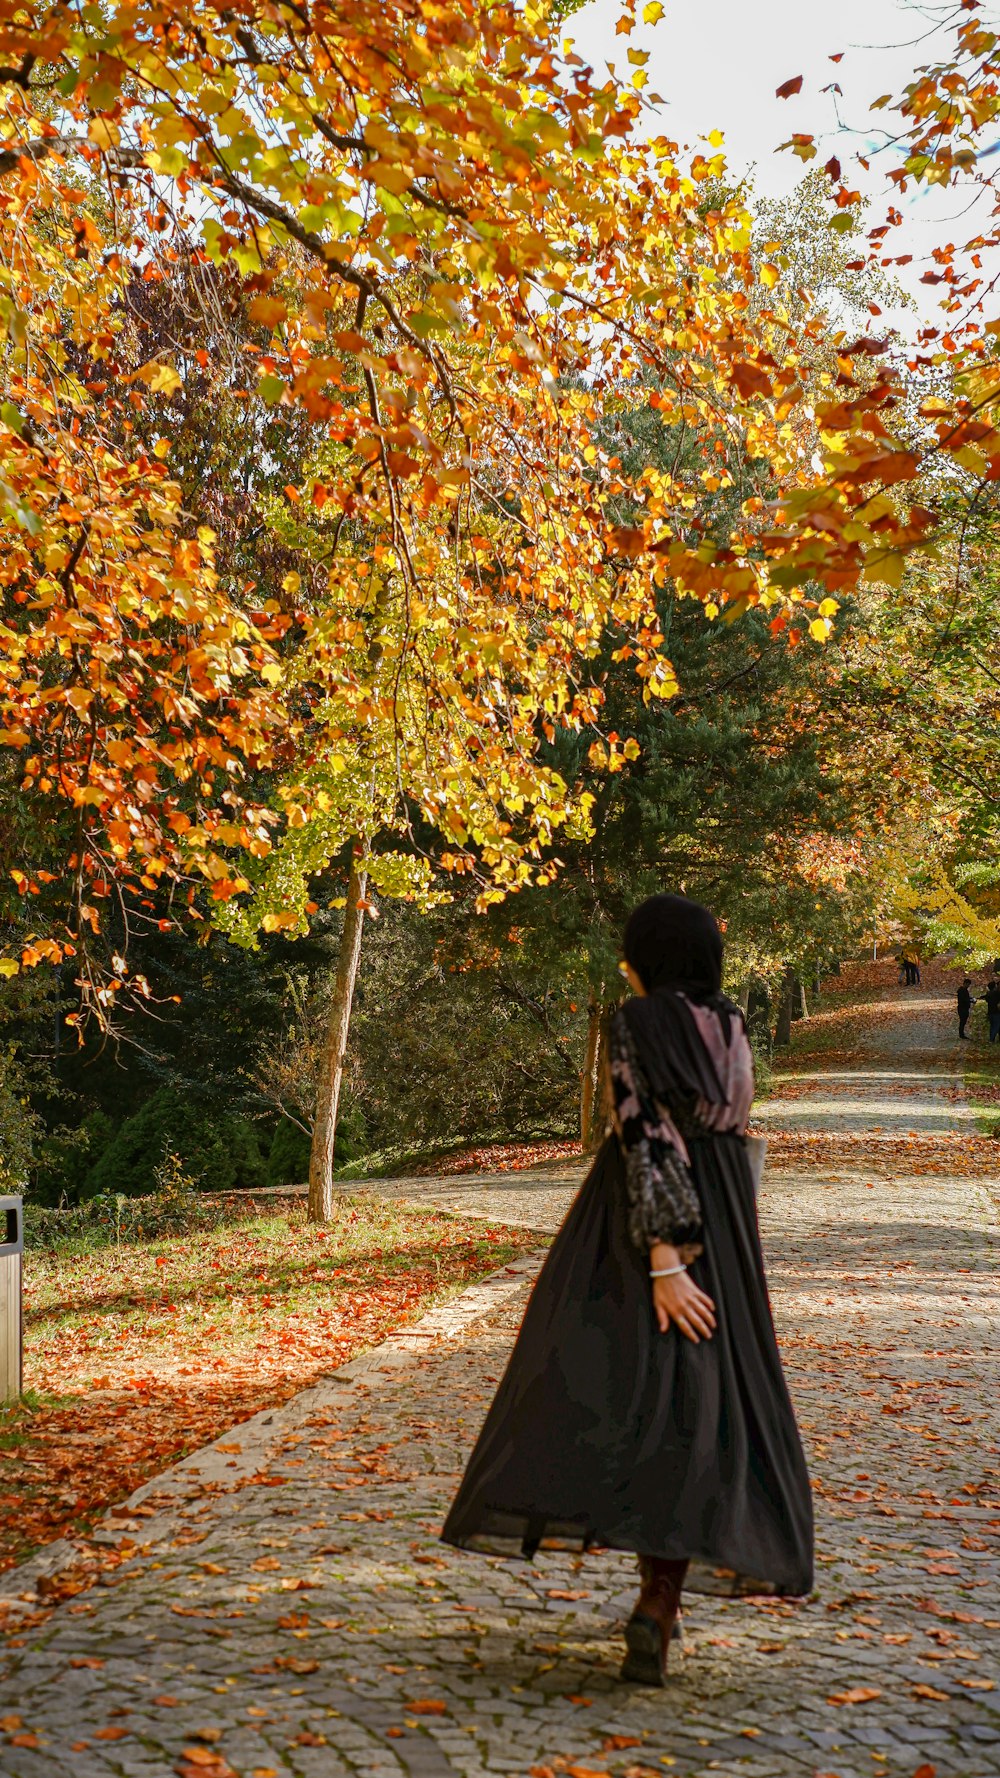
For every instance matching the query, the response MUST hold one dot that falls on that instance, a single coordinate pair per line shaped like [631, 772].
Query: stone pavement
[293, 1612]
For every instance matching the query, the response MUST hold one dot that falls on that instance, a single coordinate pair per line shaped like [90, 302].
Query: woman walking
[644, 1406]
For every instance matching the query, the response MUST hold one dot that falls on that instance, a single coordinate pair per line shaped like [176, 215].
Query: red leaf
[750, 379]
[789, 88]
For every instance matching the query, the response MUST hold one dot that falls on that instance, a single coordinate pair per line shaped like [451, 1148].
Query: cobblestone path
[293, 1612]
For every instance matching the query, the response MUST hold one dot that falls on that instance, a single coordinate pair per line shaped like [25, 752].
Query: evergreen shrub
[218, 1153]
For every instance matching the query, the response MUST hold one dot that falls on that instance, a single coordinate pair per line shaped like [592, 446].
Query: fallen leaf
[858, 1694]
[929, 1691]
[427, 1706]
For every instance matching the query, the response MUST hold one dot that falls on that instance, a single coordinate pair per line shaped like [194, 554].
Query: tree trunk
[588, 1079]
[783, 1031]
[799, 1008]
[321, 1186]
[758, 1016]
[603, 1098]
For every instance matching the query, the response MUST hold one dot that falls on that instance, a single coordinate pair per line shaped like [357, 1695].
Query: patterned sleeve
[663, 1202]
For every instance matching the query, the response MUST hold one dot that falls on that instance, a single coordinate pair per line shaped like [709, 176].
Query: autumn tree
[461, 249]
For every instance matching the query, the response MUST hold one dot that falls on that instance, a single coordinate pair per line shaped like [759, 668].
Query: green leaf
[270, 389]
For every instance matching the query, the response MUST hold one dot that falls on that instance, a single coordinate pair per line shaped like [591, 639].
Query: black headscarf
[675, 947]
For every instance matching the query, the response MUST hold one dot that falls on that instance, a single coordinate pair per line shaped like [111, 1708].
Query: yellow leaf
[886, 566]
[819, 629]
[161, 448]
[160, 379]
[103, 133]
[769, 276]
[652, 14]
[8, 967]
[715, 138]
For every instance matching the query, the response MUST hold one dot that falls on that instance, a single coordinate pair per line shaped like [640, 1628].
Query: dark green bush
[65, 1157]
[288, 1161]
[218, 1153]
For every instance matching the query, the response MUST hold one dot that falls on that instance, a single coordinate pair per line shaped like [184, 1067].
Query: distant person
[993, 1008]
[910, 959]
[966, 1001]
[904, 972]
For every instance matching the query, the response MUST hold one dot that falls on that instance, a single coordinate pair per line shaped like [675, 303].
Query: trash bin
[11, 1251]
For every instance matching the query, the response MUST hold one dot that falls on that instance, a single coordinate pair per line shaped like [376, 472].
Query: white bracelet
[668, 1272]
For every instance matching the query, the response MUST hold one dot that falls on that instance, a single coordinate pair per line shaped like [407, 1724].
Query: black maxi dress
[606, 1433]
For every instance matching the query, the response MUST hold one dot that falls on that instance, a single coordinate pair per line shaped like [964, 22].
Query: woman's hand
[679, 1299]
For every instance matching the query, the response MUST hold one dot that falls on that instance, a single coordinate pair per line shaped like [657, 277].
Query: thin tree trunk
[602, 1070]
[588, 1080]
[758, 1016]
[321, 1186]
[783, 1031]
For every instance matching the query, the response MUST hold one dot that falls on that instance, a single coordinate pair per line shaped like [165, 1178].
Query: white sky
[716, 64]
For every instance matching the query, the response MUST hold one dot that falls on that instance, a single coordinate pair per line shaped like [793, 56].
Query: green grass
[981, 1074]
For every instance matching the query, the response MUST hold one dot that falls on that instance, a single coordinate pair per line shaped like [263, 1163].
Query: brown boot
[649, 1629]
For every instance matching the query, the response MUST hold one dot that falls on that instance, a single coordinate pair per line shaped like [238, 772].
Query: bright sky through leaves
[720, 70]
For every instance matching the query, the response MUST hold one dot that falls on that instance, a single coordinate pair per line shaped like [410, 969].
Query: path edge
[215, 1469]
